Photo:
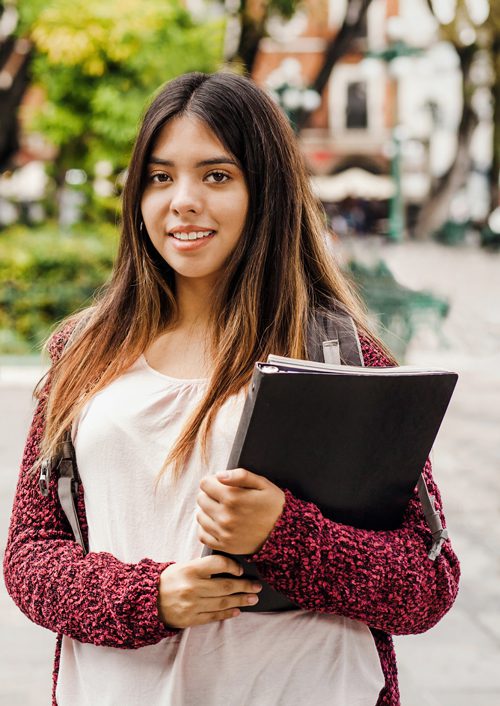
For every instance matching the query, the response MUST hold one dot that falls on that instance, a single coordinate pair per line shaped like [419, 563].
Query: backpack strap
[433, 519]
[68, 483]
[333, 338]
[67, 488]
[343, 346]
[343, 340]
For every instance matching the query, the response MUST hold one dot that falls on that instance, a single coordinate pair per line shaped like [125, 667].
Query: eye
[218, 177]
[159, 177]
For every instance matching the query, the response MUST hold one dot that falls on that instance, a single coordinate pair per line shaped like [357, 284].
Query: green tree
[252, 16]
[14, 62]
[99, 62]
[337, 47]
[471, 38]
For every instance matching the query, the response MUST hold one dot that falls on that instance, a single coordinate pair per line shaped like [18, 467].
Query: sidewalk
[20, 375]
[26, 650]
[457, 662]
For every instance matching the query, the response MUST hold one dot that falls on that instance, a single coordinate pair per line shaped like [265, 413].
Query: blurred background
[396, 106]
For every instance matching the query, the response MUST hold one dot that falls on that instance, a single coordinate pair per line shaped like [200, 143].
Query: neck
[194, 299]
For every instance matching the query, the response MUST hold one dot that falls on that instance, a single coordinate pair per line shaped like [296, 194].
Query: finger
[214, 615]
[212, 488]
[208, 526]
[241, 478]
[236, 600]
[204, 618]
[209, 540]
[218, 587]
[207, 504]
[216, 564]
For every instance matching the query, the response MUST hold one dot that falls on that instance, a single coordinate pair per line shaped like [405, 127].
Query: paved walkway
[457, 662]
[26, 650]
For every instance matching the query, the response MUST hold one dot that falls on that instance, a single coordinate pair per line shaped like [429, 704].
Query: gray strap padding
[67, 488]
[350, 345]
[433, 518]
[341, 327]
[350, 352]
[69, 478]
[66, 491]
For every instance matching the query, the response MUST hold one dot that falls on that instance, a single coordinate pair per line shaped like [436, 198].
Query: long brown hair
[279, 274]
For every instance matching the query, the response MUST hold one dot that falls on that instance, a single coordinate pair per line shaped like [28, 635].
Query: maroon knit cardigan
[382, 578]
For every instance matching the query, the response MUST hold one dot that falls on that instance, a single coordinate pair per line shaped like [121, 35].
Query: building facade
[391, 104]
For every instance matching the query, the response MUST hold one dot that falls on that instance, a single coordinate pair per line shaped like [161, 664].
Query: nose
[185, 197]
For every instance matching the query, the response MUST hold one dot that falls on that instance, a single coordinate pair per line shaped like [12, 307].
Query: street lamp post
[396, 51]
[396, 205]
[288, 87]
[295, 100]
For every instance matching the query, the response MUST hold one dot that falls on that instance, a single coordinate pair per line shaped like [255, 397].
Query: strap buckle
[438, 539]
[44, 478]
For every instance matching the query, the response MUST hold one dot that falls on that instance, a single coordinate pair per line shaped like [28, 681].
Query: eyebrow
[203, 163]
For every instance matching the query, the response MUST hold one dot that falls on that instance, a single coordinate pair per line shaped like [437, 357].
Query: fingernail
[252, 600]
[256, 587]
[224, 475]
[235, 612]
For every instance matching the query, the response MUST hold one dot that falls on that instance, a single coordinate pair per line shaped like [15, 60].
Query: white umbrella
[354, 183]
[26, 183]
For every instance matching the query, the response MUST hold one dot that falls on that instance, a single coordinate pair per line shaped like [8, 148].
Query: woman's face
[195, 202]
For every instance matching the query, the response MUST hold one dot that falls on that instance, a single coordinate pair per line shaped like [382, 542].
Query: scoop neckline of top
[184, 381]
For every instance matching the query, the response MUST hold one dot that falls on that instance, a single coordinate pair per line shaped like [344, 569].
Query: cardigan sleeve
[382, 578]
[93, 598]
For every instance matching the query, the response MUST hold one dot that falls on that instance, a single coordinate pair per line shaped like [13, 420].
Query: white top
[257, 659]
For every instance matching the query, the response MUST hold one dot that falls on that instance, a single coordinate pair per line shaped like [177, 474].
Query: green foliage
[29, 10]
[100, 62]
[46, 275]
[286, 8]
[478, 35]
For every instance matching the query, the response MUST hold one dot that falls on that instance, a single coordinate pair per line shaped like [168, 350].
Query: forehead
[187, 135]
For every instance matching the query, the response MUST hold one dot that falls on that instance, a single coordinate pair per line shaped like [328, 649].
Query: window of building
[363, 27]
[357, 106]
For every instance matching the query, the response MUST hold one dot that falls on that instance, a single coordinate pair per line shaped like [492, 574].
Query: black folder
[351, 440]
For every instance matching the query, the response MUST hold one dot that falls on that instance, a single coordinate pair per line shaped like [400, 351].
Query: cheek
[152, 206]
[151, 210]
[239, 213]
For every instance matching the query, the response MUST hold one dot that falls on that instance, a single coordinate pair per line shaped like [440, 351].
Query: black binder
[351, 440]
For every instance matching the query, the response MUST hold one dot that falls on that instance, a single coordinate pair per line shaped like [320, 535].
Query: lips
[185, 243]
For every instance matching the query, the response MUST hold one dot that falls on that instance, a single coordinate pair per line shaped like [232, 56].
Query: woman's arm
[93, 598]
[97, 598]
[384, 579]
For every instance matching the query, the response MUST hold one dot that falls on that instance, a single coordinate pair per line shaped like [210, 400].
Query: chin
[191, 273]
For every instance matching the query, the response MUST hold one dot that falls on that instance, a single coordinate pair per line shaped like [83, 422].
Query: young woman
[222, 261]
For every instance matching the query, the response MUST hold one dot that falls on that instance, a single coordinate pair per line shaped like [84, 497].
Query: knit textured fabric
[382, 578]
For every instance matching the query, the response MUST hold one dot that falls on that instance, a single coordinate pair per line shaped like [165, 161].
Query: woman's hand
[238, 510]
[188, 595]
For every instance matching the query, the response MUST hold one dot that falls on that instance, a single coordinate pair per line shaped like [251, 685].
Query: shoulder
[59, 339]
[373, 355]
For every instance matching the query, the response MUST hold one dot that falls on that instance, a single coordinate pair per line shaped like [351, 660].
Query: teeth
[194, 235]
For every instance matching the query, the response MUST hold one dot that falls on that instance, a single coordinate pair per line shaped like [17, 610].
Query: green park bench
[399, 310]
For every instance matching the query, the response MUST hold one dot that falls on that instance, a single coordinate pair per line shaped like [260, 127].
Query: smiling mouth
[194, 235]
